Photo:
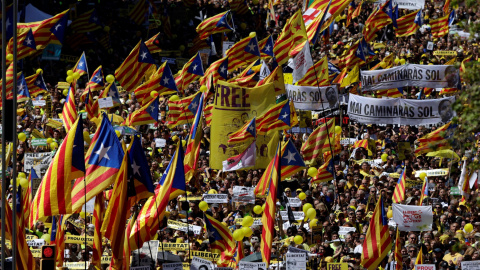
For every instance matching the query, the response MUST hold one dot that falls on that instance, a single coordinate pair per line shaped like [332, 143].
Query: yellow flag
[352, 77]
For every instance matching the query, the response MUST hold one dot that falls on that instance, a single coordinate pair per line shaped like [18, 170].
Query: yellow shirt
[449, 257]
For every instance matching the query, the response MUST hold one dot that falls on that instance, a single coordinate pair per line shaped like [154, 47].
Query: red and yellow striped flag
[207, 113]
[314, 148]
[152, 44]
[162, 82]
[419, 259]
[407, 25]
[316, 79]
[243, 52]
[398, 251]
[213, 25]
[182, 111]
[326, 171]
[86, 22]
[69, 112]
[193, 143]
[377, 241]
[399, 192]
[54, 193]
[98, 215]
[440, 26]
[36, 85]
[91, 106]
[292, 35]
[60, 240]
[268, 217]
[278, 81]
[435, 140]
[138, 13]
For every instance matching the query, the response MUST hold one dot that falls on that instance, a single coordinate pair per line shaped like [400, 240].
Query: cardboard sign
[180, 226]
[77, 239]
[337, 266]
[200, 264]
[470, 265]
[105, 102]
[215, 198]
[39, 103]
[205, 255]
[247, 266]
[159, 142]
[39, 142]
[298, 215]
[294, 202]
[243, 194]
[38, 161]
[35, 242]
[173, 246]
[432, 266]
[344, 230]
[296, 261]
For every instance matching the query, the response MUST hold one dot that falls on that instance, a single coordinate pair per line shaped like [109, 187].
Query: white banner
[432, 76]
[413, 218]
[215, 198]
[428, 267]
[313, 98]
[243, 194]
[180, 226]
[296, 261]
[201, 264]
[294, 202]
[399, 111]
[247, 266]
[298, 215]
[470, 265]
[37, 161]
[408, 4]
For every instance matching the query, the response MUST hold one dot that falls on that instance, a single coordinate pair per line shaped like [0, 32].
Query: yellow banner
[205, 255]
[37, 253]
[30, 237]
[233, 107]
[54, 124]
[445, 53]
[76, 239]
[191, 198]
[63, 85]
[173, 246]
[412, 183]
[337, 266]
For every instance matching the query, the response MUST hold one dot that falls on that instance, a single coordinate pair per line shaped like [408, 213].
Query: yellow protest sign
[411, 183]
[30, 237]
[191, 198]
[337, 266]
[76, 239]
[445, 53]
[54, 123]
[234, 106]
[63, 85]
[205, 255]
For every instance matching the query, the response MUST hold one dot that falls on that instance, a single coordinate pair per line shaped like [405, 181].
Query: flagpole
[14, 136]
[4, 97]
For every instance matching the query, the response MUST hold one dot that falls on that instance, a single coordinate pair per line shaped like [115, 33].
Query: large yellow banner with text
[232, 108]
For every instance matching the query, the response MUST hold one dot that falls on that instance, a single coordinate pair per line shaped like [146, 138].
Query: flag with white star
[140, 185]
[86, 22]
[81, 66]
[281, 116]
[220, 239]
[148, 114]
[223, 69]
[29, 40]
[132, 71]
[182, 111]
[58, 30]
[112, 91]
[326, 171]
[36, 85]
[96, 82]
[103, 161]
[193, 142]
[245, 133]
[267, 46]
[22, 89]
[252, 47]
[291, 161]
[162, 82]
[216, 24]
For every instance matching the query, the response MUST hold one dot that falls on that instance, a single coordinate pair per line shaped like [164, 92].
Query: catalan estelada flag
[377, 241]
[142, 185]
[153, 44]
[238, 256]
[399, 192]
[316, 75]
[97, 81]
[139, 13]
[279, 117]
[243, 52]
[182, 111]
[193, 143]
[291, 161]
[268, 217]
[117, 212]
[59, 28]
[191, 71]
[213, 25]
[276, 77]
[170, 186]
[408, 24]
[60, 240]
[132, 70]
[266, 46]
[246, 132]
[162, 82]
[102, 161]
[436, 140]
[218, 70]
[207, 113]
[313, 147]
[81, 65]
[69, 112]
[54, 193]
[86, 22]
[220, 239]
[292, 35]
[148, 114]
[111, 91]
[439, 27]
[326, 171]
[91, 106]
[36, 85]
[22, 89]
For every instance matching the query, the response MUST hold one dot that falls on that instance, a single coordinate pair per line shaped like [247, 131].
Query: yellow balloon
[468, 227]
[257, 209]
[65, 92]
[182, 48]
[212, 191]
[69, 79]
[175, 138]
[174, 98]
[298, 239]
[389, 213]
[238, 235]
[22, 137]
[83, 215]
[302, 196]
[396, 60]
[69, 72]
[311, 213]
[384, 157]
[39, 70]
[46, 237]
[313, 223]
[383, 64]
[110, 78]
[247, 231]
[423, 175]
[118, 132]
[76, 75]
[203, 88]
[252, 34]
[153, 94]
[9, 57]
[247, 221]
[243, 26]
[203, 206]
[306, 207]
[49, 140]
[23, 182]
[54, 145]
[86, 136]
[338, 130]
[402, 61]
[22, 175]
[312, 171]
